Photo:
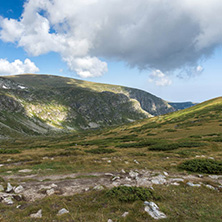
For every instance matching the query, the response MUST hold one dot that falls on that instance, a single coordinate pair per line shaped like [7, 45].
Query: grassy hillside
[175, 149]
[45, 104]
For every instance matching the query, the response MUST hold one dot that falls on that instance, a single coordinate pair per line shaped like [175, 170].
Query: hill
[42, 104]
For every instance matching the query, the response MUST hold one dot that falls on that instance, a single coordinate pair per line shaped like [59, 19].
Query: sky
[170, 48]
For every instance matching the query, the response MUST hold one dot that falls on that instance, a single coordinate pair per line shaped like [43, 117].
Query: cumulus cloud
[17, 67]
[155, 34]
[159, 78]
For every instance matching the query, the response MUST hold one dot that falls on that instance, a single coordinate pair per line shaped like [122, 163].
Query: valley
[177, 155]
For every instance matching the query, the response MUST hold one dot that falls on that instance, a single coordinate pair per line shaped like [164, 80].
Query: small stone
[133, 174]
[8, 200]
[9, 188]
[123, 171]
[37, 215]
[18, 206]
[62, 211]
[45, 158]
[210, 187]
[165, 173]
[98, 187]
[153, 210]
[50, 192]
[175, 184]
[177, 180]
[125, 214]
[200, 175]
[53, 185]
[193, 185]
[19, 189]
[135, 161]
[9, 171]
[109, 161]
[115, 178]
[25, 171]
[8, 160]
[126, 162]
[160, 179]
[1, 188]
[109, 174]
[1, 165]
[86, 189]
[109, 220]
[211, 158]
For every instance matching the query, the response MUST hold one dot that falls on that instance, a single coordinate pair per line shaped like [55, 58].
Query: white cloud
[17, 67]
[159, 78]
[154, 34]
[199, 69]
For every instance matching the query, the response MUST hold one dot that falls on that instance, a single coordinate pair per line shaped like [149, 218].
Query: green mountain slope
[41, 104]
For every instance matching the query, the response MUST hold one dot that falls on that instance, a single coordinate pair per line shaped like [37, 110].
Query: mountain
[41, 104]
[182, 105]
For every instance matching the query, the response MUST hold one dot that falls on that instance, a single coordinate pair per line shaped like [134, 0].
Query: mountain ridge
[33, 104]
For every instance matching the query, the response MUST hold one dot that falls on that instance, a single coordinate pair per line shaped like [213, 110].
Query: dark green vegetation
[202, 166]
[178, 143]
[131, 194]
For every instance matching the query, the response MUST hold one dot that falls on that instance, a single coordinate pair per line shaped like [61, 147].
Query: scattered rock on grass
[25, 171]
[1, 188]
[153, 210]
[37, 215]
[8, 200]
[193, 184]
[9, 188]
[62, 211]
[18, 189]
[98, 187]
[125, 214]
[50, 192]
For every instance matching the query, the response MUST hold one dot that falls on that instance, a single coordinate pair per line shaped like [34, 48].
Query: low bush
[9, 151]
[140, 144]
[202, 166]
[173, 146]
[130, 194]
[100, 151]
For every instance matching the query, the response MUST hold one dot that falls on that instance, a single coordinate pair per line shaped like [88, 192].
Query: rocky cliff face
[40, 104]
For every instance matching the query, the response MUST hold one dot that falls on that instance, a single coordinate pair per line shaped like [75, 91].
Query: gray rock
[193, 185]
[19, 189]
[160, 179]
[125, 214]
[98, 187]
[62, 211]
[210, 187]
[50, 192]
[37, 215]
[153, 210]
[109, 220]
[8, 200]
[115, 178]
[133, 174]
[25, 171]
[1, 188]
[9, 188]
[135, 161]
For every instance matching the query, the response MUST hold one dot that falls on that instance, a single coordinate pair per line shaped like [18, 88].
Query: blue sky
[162, 66]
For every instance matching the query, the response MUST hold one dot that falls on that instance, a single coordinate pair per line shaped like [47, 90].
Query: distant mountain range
[44, 104]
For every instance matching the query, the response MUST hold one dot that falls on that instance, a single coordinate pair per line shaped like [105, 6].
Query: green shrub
[173, 146]
[202, 166]
[130, 194]
[9, 151]
[100, 151]
[140, 144]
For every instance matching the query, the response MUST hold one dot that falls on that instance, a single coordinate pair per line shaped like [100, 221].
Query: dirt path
[69, 184]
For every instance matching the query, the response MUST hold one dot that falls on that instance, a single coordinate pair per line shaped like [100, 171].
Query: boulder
[18, 189]
[62, 211]
[37, 215]
[153, 210]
